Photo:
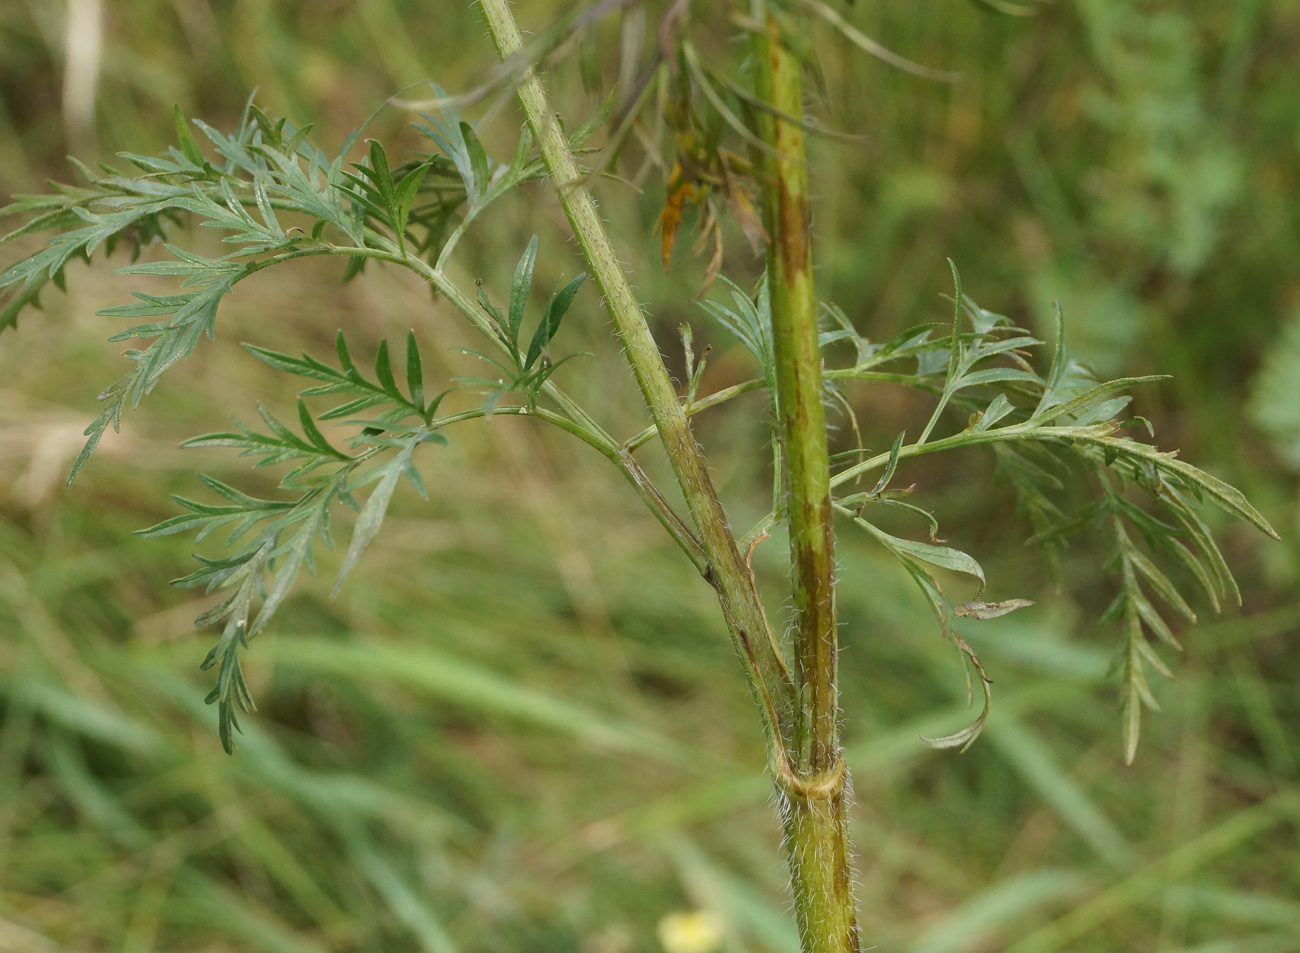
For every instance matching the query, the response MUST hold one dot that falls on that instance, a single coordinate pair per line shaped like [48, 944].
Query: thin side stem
[758, 383]
[631, 470]
[718, 397]
[1090, 433]
[814, 787]
[575, 420]
[727, 570]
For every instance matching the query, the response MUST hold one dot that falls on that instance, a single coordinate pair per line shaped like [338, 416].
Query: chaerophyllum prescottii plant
[276, 197]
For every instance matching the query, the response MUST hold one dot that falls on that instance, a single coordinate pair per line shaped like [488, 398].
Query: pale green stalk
[726, 569]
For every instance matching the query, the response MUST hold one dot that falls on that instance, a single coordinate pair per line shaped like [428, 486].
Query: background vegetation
[519, 727]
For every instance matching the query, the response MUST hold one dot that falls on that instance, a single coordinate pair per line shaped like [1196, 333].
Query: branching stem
[575, 420]
[631, 470]
[1092, 433]
[726, 569]
[745, 387]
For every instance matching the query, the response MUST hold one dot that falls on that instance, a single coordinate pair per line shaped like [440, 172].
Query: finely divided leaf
[372, 514]
[350, 381]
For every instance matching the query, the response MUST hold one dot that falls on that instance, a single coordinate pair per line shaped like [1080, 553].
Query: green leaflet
[520, 285]
[556, 309]
[376, 507]
[525, 374]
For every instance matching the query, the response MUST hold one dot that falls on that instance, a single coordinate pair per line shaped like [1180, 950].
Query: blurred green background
[520, 726]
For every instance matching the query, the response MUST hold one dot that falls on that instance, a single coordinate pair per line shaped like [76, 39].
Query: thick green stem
[802, 421]
[813, 788]
[726, 569]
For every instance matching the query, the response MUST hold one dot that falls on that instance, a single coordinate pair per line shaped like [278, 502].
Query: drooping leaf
[990, 610]
[193, 316]
[911, 555]
[1227, 497]
[965, 737]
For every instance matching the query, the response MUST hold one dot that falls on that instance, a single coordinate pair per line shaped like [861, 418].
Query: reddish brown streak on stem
[803, 423]
[813, 786]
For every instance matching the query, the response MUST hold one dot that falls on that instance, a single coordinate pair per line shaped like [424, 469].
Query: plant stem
[576, 421]
[726, 570]
[812, 788]
[719, 397]
[802, 418]
[631, 470]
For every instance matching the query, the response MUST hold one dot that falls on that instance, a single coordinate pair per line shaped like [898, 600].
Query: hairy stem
[813, 788]
[802, 418]
[726, 569]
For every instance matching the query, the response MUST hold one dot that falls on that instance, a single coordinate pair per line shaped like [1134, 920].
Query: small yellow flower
[693, 931]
